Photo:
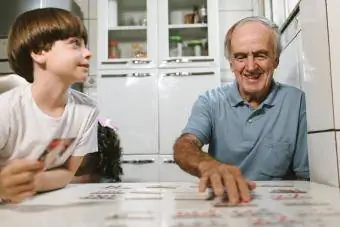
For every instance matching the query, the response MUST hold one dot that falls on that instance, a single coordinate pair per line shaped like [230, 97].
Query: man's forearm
[53, 179]
[188, 154]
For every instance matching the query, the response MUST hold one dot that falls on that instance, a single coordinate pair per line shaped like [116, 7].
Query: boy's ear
[39, 57]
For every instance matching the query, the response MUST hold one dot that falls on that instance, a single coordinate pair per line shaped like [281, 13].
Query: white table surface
[164, 204]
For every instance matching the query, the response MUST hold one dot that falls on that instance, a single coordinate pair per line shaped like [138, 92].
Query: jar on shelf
[175, 46]
[138, 51]
[196, 47]
[114, 51]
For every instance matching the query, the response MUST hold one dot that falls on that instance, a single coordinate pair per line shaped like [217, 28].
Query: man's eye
[240, 57]
[261, 56]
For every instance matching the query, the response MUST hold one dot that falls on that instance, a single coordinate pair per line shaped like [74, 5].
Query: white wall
[320, 49]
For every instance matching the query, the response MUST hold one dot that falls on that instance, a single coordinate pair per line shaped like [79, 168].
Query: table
[175, 204]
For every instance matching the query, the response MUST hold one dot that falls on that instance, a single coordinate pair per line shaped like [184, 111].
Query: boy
[47, 47]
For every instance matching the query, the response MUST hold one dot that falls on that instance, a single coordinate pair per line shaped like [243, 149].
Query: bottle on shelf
[114, 51]
[203, 14]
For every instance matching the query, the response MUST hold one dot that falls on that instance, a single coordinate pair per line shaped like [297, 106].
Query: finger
[217, 184]
[18, 179]
[203, 183]
[21, 197]
[231, 187]
[19, 166]
[243, 188]
[21, 188]
[251, 185]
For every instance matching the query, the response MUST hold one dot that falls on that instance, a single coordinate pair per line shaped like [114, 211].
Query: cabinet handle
[189, 74]
[140, 74]
[114, 62]
[140, 62]
[138, 162]
[137, 74]
[186, 60]
[169, 161]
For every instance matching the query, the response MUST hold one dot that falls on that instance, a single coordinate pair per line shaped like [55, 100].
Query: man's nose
[250, 63]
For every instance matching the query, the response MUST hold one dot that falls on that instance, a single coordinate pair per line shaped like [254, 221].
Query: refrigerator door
[129, 99]
[178, 90]
[169, 171]
[140, 168]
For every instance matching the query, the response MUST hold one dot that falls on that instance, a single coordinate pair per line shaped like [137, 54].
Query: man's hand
[17, 180]
[223, 179]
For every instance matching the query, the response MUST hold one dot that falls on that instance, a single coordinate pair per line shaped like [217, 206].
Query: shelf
[189, 34]
[188, 4]
[129, 35]
[128, 28]
[184, 26]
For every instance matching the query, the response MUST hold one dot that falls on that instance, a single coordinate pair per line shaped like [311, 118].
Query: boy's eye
[76, 42]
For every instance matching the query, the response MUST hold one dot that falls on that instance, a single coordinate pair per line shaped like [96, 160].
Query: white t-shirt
[25, 130]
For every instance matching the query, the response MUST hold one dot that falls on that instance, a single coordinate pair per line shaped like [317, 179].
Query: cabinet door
[178, 90]
[140, 168]
[127, 33]
[188, 33]
[169, 171]
[129, 99]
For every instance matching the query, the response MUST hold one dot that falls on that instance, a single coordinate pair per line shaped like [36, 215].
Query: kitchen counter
[285, 203]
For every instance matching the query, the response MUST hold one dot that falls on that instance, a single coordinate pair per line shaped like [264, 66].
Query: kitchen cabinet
[157, 33]
[154, 59]
[178, 91]
[129, 99]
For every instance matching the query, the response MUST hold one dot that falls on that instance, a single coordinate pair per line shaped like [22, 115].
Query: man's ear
[277, 61]
[39, 57]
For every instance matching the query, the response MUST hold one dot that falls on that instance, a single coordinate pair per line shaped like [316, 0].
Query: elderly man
[256, 128]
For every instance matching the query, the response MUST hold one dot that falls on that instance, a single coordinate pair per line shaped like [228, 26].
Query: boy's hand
[17, 180]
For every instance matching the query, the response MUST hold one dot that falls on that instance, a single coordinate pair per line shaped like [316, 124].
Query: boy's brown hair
[37, 30]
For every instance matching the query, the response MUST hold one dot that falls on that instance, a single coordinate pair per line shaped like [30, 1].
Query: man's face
[253, 59]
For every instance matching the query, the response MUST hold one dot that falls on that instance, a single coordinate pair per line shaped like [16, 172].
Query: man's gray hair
[268, 23]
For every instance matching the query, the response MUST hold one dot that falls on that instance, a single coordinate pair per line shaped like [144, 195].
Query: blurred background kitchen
[152, 58]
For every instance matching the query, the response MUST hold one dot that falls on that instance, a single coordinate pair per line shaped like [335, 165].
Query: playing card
[263, 212]
[107, 192]
[99, 197]
[197, 214]
[286, 190]
[304, 203]
[191, 196]
[54, 151]
[290, 196]
[228, 204]
[274, 185]
[132, 215]
[142, 197]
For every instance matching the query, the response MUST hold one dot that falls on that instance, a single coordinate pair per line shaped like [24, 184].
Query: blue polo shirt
[266, 143]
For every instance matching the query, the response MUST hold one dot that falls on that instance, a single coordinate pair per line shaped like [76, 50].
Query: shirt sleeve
[88, 142]
[4, 120]
[200, 122]
[300, 162]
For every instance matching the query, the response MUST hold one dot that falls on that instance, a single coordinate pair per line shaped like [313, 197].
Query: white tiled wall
[323, 158]
[320, 54]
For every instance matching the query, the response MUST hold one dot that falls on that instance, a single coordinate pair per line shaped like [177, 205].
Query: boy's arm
[59, 177]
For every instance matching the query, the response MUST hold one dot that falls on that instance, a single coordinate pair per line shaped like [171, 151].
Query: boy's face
[69, 59]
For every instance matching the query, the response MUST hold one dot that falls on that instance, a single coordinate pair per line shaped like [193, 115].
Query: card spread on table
[191, 195]
[286, 190]
[228, 204]
[99, 197]
[197, 214]
[132, 215]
